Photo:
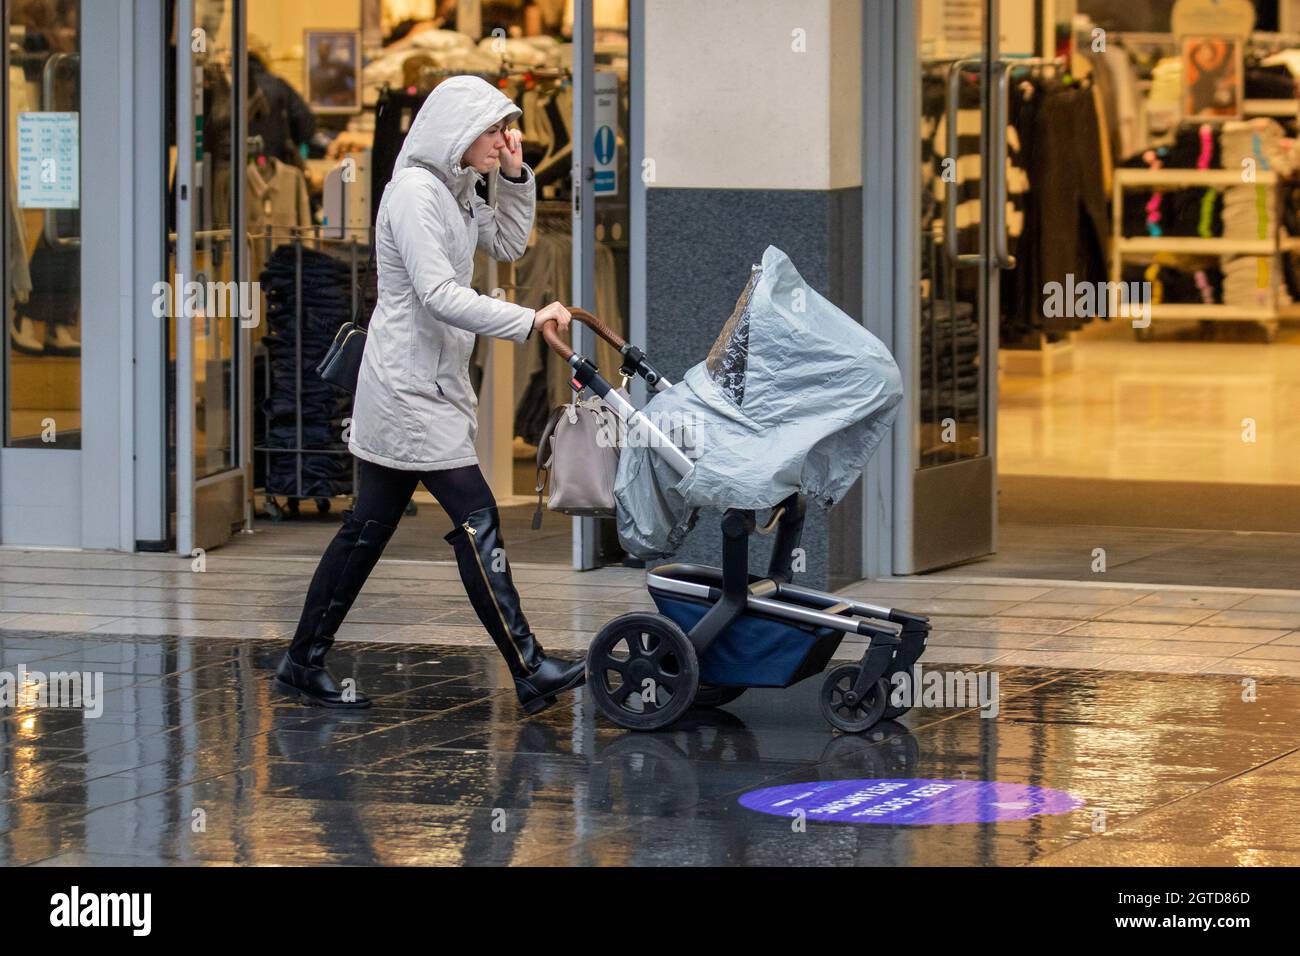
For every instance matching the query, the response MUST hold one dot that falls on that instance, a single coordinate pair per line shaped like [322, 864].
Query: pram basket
[720, 631]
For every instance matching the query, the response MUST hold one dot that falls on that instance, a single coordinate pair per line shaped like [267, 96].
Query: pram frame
[896, 638]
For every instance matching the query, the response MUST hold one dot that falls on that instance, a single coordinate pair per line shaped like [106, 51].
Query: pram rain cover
[794, 396]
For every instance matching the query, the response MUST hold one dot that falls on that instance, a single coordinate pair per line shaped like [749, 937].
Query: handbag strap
[544, 461]
[361, 317]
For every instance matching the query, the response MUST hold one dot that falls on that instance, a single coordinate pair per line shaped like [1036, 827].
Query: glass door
[42, 244]
[207, 341]
[602, 76]
[42, 425]
[951, 495]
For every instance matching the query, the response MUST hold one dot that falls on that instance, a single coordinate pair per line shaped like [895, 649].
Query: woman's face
[482, 153]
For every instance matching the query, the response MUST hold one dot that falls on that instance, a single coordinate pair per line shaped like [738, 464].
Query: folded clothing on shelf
[1255, 145]
[1249, 282]
[1189, 285]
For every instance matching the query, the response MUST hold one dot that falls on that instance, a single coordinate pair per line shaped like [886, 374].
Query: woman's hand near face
[553, 311]
[511, 154]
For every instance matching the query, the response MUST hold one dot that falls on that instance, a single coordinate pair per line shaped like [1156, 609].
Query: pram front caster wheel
[846, 711]
[710, 696]
[641, 671]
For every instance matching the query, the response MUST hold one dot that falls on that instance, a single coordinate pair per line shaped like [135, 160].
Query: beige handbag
[578, 451]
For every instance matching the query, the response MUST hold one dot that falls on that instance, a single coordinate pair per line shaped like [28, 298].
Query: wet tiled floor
[1033, 623]
[195, 759]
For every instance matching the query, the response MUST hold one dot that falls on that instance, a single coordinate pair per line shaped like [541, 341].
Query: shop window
[42, 235]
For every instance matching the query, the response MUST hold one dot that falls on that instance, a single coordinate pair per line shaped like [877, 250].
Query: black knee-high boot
[339, 577]
[485, 572]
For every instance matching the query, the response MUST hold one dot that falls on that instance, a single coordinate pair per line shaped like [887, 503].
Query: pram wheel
[710, 696]
[846, 714]
[641, 671]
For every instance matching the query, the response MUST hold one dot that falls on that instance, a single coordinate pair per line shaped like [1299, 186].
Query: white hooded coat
[415, 408]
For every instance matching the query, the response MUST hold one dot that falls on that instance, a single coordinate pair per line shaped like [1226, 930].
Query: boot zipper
[492, 594]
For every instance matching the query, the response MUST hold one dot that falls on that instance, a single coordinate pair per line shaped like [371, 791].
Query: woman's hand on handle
[554, 311]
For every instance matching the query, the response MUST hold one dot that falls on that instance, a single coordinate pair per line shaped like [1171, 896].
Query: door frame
[586, 530]
[888, 130]
[190, 491]
[93, 497]
[207, 508]
[584, 226]
[897, 491]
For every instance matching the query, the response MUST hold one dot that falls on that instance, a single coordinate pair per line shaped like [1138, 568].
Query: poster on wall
[49, 157]
[605, 146]
[1213, 79]
[332, 60]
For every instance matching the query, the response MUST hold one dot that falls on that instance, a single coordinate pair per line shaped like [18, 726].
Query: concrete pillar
[753, 124]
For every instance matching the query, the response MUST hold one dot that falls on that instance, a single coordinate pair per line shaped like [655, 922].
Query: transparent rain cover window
[730, 353]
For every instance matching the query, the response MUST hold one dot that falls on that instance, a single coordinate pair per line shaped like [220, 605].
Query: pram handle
[587, 375]
[599, 327]
[634, 360]
[551, 332]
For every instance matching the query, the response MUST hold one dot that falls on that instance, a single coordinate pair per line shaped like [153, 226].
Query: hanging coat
[415, 408]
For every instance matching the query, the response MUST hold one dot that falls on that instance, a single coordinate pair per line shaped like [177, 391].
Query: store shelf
[1230, 313]
[1192, 245]
[1123, 247]
[1190, 177]
[1271, 107]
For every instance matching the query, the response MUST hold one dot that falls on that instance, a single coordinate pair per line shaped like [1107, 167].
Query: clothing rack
[508, 71]
[356, 248]
[1137, 40]
[1276, 41]
[1036, 64]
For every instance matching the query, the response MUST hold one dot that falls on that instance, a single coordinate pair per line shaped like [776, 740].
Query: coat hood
[456, 112]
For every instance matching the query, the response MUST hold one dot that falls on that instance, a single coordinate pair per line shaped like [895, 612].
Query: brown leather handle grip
[599, 327]
[551, 333]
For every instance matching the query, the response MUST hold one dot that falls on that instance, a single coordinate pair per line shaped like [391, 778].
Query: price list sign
[49, 174]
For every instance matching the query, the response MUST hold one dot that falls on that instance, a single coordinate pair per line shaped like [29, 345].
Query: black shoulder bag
[341, 365]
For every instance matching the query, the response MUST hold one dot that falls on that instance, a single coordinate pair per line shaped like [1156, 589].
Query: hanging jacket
[415, 408]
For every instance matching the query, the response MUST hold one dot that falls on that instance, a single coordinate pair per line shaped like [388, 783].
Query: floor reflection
[195, 760]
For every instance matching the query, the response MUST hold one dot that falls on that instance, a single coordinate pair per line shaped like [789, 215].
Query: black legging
[383, 493]
[382, 496]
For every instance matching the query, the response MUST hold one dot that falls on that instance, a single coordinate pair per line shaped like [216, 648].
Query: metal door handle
[47, 105]
[1001, 109]
[951, 188]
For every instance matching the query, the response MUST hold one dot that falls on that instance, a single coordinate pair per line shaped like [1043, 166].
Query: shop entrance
[298, 112]
[41, 376]
[1142, 269]
[67, 395]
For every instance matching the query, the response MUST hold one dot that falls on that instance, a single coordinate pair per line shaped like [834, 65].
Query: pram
[721, 631]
